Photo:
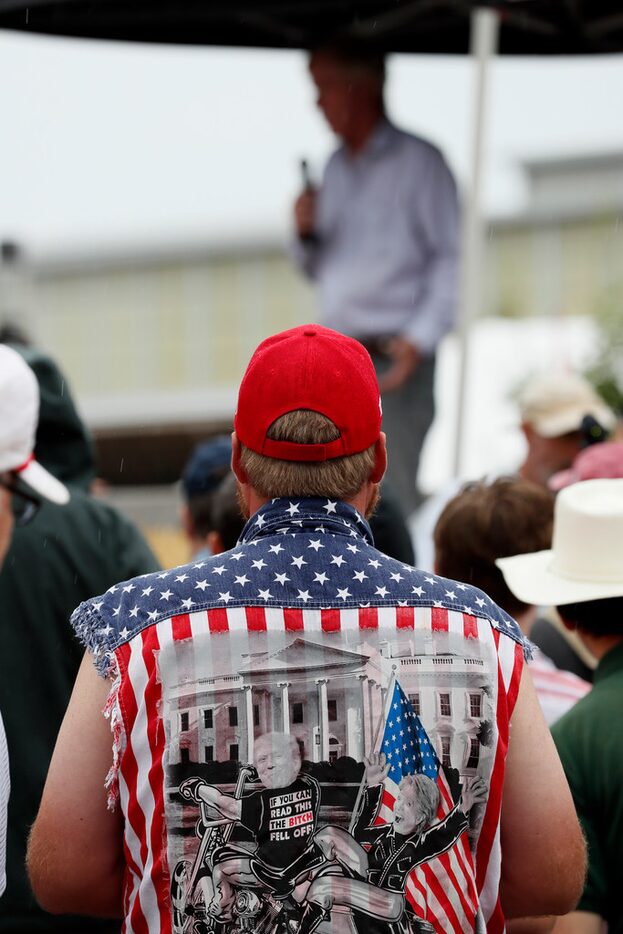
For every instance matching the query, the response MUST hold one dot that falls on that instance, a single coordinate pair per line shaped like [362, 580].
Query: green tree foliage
[606, 369]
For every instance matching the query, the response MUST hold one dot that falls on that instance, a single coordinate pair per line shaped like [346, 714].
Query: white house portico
[331, 699]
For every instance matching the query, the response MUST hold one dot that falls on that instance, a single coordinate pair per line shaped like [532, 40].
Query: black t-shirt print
[282, 819]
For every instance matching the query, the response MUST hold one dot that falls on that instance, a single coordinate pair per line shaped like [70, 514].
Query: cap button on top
[309, 333]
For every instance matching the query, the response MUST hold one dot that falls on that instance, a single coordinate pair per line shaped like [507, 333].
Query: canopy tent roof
[527, 27]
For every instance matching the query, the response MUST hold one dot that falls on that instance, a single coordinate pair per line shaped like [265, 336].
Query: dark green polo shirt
[589, 739]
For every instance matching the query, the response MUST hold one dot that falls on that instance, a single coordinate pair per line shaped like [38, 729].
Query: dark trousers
[407, 415]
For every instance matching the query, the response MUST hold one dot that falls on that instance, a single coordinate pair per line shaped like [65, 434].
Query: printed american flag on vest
[442, 891]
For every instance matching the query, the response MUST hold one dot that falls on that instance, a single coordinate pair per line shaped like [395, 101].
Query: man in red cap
[374, 670]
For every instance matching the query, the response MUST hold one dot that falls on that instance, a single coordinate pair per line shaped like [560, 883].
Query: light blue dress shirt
[386, 254]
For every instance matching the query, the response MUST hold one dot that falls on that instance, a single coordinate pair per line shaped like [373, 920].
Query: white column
[371, 687]
[359, 748]
[285, 706]
[324, 718]
[248, 699]
[354, 738]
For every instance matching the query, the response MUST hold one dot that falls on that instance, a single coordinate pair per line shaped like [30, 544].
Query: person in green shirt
[66, 554]
[583, 576]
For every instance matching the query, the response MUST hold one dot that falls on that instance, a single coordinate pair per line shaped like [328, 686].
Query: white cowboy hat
[19, 415]
[585, 561]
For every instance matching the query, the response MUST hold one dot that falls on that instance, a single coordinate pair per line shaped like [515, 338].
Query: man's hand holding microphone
[305, 207]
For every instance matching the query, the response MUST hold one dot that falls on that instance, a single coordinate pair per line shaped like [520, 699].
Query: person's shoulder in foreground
[66, 553]
[306, 658]
[23, 481]
[582, 575]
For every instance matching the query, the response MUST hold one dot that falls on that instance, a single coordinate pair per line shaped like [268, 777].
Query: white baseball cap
[585, 561]
[556, 405]
[19, 415]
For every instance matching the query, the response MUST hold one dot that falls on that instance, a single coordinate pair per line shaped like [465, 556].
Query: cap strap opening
[294, 451]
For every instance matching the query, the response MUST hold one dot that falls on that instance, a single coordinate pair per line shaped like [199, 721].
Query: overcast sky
[105, 145]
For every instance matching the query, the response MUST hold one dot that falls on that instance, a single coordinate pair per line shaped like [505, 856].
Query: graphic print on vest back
[327, 781]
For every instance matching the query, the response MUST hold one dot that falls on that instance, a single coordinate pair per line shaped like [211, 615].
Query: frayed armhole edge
[112, 712]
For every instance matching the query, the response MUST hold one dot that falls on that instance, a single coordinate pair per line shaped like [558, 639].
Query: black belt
[377, 345]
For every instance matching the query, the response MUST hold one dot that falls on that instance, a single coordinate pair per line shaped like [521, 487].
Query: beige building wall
[541, 267]
[170, 325]
[159, 339]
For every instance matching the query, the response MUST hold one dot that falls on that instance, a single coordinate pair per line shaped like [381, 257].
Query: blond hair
[338, 478]
[425, 790]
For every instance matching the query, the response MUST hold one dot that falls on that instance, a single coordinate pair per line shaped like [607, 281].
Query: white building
[333, 701]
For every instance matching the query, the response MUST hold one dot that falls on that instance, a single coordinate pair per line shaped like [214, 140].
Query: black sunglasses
[24, 506]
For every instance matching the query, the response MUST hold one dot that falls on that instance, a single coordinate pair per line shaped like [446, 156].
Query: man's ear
[236, 460]
[380, 459]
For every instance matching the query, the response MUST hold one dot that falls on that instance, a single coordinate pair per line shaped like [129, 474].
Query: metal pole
[382, 719]
[483, 46]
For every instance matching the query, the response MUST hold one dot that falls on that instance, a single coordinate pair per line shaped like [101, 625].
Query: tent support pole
[483, 42]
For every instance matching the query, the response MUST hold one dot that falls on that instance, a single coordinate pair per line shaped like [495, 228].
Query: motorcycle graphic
[254, 911]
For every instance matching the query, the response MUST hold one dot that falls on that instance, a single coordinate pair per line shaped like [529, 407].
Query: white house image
[332, 700]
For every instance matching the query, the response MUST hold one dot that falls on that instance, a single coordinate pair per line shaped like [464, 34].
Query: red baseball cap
[309, 367]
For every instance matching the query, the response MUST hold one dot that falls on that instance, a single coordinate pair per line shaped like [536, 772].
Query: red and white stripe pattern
[141, 772]
[488, 851]
[443, 891]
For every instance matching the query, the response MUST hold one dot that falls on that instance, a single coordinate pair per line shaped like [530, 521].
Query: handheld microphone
[308, 188]
[306, 178]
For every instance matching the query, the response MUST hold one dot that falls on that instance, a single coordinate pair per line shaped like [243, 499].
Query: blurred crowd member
[65, 554]
[23, 482]
[582, 574]
[598, 462]
[487, 521]
[380, 239]
[227, 516]
[390, 530]
[13, 333]
[208, 465]
[560, 415]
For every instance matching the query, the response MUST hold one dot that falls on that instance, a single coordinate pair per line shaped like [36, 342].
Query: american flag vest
[263, 697]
